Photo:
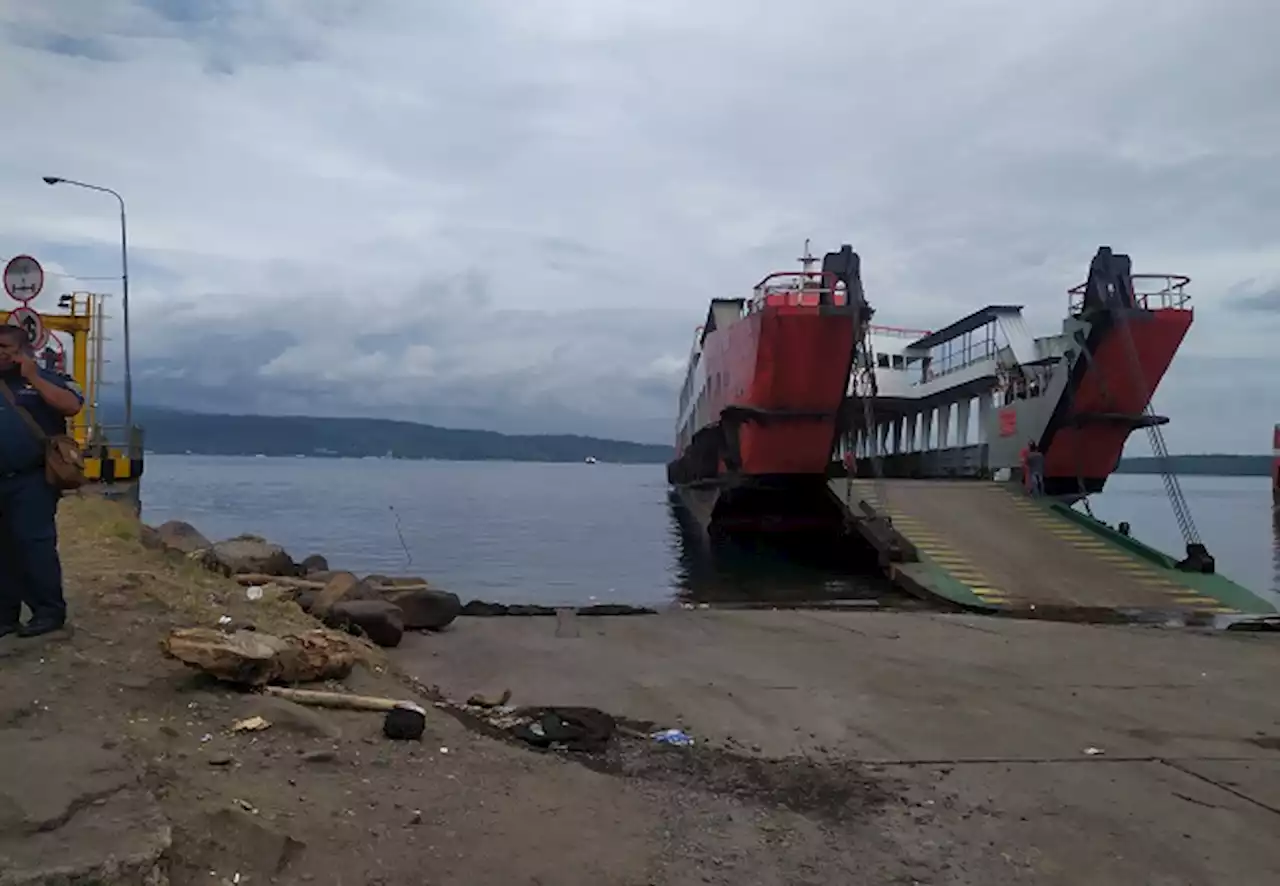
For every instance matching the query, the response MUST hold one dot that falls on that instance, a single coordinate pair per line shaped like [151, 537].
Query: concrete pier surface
[1025, 751]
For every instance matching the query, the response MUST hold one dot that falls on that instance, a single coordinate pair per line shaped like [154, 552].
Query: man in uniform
[30, 571]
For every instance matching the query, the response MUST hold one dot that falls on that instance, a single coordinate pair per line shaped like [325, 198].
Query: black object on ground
[573, 728]
[404, 723]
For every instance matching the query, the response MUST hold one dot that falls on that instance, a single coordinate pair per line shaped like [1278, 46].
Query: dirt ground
[119, 767]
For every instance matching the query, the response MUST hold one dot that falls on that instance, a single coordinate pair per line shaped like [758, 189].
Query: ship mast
[807, 260]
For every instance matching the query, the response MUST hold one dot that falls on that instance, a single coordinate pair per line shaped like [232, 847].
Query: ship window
[882, 360]
[899, 361]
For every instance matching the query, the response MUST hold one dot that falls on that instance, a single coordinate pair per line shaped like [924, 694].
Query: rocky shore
[378, 607]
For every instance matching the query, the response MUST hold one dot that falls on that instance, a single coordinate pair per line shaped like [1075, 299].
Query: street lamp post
[124, 283]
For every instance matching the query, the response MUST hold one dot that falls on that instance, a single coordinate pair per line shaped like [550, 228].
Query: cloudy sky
[510, 213]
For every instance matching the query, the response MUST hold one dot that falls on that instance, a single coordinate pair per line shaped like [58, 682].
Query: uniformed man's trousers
[30, 571]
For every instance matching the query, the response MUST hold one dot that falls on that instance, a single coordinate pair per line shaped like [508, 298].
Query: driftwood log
[252, 658]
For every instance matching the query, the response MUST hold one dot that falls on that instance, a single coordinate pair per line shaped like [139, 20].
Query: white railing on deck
[1152, 292]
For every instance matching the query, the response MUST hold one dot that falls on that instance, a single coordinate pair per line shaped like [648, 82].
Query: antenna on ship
[807, 259]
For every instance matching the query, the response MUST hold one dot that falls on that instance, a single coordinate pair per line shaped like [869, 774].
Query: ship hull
[759, 463]
[777, 380]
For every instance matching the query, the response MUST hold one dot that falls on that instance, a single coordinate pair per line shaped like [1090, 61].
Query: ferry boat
[796, 384]
[760, 409]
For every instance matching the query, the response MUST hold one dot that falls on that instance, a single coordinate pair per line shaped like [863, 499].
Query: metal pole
[124, 284]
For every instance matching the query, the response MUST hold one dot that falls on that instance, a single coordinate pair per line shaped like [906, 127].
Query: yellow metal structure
[109, 457]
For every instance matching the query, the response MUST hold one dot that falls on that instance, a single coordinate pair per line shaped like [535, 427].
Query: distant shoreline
[1208, 465]
[172, 432]
[301, 456]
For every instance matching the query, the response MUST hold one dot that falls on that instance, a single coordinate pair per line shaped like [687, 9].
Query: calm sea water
[575, 534]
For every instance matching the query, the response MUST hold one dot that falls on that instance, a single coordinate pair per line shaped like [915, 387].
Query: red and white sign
[23, 278]
[1008, 422]
[53, 355]
[29, 320]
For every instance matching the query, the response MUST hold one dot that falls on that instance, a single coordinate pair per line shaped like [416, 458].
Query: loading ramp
[986, 545]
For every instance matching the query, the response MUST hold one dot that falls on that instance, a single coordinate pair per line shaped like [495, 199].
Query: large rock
[253, 554]
[252, 658]
[399, 581]
[426, 609]
[342, 586]
[381, 622]
[313, 565]
[182, 537]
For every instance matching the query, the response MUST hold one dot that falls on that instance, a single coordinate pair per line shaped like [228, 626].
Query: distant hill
[172, 431]
[1213, 465]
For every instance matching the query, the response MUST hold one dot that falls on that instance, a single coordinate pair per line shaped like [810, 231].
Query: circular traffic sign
[29, 321]
[23, 278]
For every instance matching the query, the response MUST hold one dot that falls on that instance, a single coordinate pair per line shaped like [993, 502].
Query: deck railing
[898, 332]
[1151, 292]
[796, 289]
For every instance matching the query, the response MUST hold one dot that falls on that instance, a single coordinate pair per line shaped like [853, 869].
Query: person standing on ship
[1035, 469]
[30, 569]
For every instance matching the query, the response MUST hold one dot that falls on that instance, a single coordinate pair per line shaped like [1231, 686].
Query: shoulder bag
[63, 460]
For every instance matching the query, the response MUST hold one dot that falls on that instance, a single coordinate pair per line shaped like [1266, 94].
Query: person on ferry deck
[1035, 468]
[30, 570]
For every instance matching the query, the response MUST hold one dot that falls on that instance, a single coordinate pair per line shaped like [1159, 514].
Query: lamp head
[51, 180]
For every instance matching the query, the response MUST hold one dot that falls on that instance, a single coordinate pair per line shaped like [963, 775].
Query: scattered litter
[253, 592]
[567, 728]
[252, 724]
[677, 737]
[247, 806]
[1093, 752]
[208, 736]
[444, 750]
[224, 620]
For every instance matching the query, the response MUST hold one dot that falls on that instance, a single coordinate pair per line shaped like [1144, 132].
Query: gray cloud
[513, 214]
[1247, 297]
